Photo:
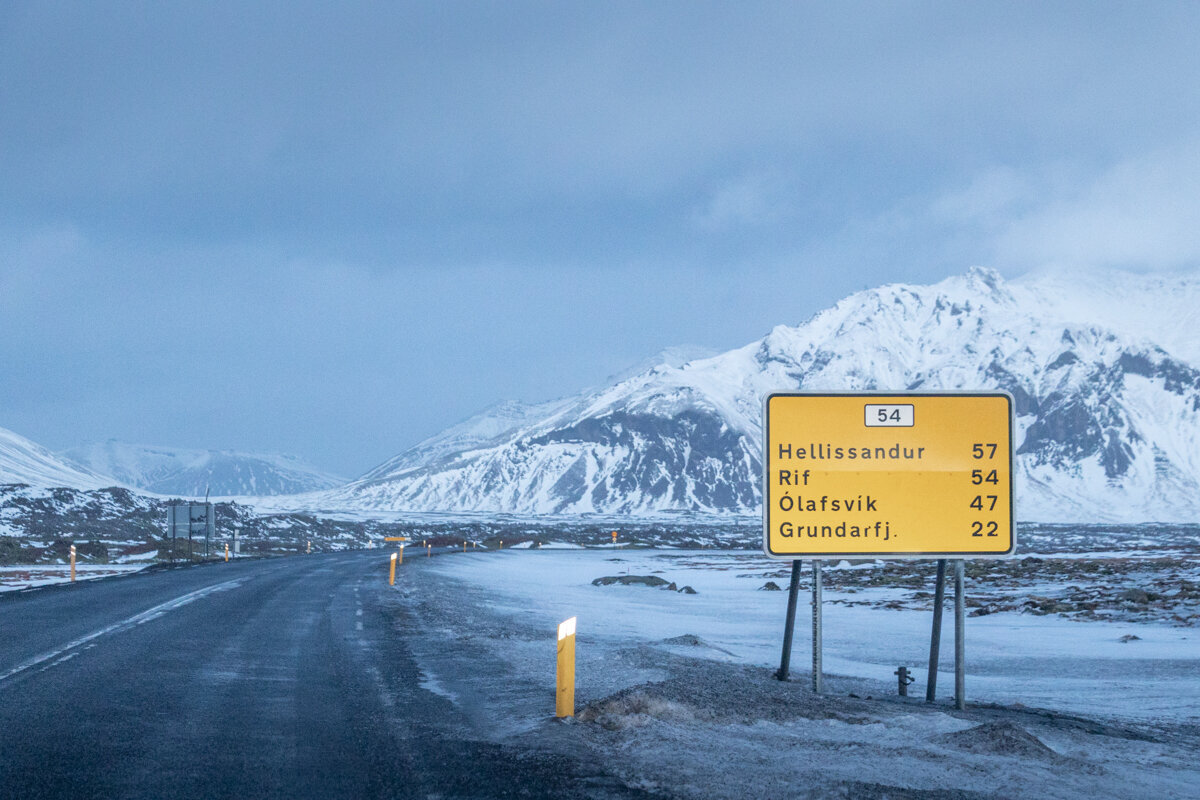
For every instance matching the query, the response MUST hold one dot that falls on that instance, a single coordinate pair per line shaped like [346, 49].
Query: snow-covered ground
[29, 576]
[1043, 661]
[676, 687]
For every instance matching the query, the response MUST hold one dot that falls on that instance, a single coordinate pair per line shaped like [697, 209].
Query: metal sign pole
[960, 649]
[816, 627]
[793, 590]
[935, 637]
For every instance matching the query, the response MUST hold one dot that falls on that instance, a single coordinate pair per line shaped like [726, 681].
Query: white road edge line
[136, 619]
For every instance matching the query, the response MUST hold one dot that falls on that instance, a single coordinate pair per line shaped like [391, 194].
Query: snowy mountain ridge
[23, 461]
[192, 473]
[1106, 430]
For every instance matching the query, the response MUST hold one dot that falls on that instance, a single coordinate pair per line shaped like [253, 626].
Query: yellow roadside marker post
[401, 554]
[464, 547]
[501, 545]
[392, 575]
[564, 705]
[309, 549]
[428, 550]
[614, 538]
[227, 551]
[72, 563]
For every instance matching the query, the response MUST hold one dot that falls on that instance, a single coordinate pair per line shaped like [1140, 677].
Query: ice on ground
[676, 693]
[1044, 661]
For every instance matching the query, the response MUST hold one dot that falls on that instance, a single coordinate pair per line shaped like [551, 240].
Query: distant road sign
[892, 475]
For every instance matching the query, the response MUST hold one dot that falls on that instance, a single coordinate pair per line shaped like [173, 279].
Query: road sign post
[817, 636]
[887, 475]
[935, 635]
[960, 646]
[785, 660]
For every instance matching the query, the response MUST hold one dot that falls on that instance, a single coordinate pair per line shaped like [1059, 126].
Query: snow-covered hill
[1161, 307]
[1108, 426]
[190, 473]
[23, 461]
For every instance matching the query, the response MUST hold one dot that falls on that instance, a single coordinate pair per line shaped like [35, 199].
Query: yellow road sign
[891, 475]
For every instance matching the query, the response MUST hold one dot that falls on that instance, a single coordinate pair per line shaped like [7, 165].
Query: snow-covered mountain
[1108, 425]
[189, 473]
[23, 461]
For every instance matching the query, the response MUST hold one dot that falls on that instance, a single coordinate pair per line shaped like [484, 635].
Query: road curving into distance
[286, 677]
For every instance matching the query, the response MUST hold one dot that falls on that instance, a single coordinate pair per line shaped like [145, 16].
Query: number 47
[978, 502]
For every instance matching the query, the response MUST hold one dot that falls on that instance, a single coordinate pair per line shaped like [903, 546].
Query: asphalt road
[281, 678]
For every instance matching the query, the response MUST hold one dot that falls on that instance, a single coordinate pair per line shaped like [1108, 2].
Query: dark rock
[690, 639]
[1135, 596]
[630, 580]
[770, 586]
[998, 738]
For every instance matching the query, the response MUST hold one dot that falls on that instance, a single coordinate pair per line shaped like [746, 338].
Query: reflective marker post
[564, 704]
[72, 563]
[935, 636]
[392, 574]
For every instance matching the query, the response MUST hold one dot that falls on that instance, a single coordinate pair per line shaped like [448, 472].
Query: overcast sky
[333, 229]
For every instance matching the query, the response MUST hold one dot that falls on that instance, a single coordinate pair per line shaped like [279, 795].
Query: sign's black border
[925, 554]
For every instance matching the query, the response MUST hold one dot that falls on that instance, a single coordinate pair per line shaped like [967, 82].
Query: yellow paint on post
[72, 563]
[227, 551]
[401, 554]
[392, 575]
[564, 704]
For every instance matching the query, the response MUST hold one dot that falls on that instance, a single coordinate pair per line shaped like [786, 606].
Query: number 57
[977, 450]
